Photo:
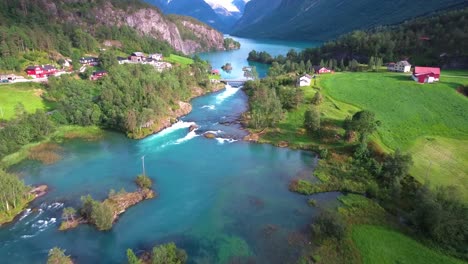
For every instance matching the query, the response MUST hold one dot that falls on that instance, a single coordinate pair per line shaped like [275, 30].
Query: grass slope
[179, 59]
[383, 246]
[26, 93]
[429, 121]
[408, 110]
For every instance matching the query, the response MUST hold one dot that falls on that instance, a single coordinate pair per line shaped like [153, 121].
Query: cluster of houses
[420, 74]
[306, 79]
[156, 60]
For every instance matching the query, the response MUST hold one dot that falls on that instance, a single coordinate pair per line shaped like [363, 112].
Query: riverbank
[33, 194]
[63, 133]
[174, 114]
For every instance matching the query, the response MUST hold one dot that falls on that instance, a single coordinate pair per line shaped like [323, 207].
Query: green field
[26, 93]
[383, 246]
[178, 59]
[429, 121]
[407, 110]
[441, 161]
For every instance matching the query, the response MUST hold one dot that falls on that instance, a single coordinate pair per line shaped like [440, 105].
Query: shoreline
[35, 192]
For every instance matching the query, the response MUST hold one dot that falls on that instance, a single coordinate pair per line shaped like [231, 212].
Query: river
[222, 200]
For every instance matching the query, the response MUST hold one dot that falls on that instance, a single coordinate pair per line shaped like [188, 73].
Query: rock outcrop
[151, 22]
[184, 34]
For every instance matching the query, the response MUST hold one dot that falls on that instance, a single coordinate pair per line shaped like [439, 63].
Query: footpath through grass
[29, 94]
[383, 246]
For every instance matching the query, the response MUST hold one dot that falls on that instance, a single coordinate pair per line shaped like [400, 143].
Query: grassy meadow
[430, 121]
[383, 246]
[176, 59]
[29, 94]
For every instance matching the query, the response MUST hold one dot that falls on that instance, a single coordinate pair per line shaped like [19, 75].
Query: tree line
[427, 41]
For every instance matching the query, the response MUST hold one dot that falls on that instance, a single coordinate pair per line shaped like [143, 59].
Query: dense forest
[426, 41]
[13, 195]
[130, 99]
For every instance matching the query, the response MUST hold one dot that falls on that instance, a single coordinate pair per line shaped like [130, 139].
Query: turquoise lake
[222, 200]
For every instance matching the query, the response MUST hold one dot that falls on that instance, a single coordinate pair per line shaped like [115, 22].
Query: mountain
[220, 14]
[88, 24]
[324, 20]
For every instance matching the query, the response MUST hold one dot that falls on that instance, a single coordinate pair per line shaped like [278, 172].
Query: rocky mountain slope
[323, 20]
[88, 21]
[151, 22]
[220, 14]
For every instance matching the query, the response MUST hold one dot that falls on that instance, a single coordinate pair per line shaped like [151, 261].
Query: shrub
[168, 254]
[329, 225]
[57, 256]
[143, 182]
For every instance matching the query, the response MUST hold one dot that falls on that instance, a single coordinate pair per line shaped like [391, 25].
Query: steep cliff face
[184, 34]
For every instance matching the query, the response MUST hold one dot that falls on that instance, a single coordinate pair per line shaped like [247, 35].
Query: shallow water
[219, 199]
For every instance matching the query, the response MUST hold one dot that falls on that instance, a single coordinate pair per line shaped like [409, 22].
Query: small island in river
[104, 214]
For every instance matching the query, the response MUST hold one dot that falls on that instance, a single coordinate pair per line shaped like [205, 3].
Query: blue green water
[219, 199]
[238, 58]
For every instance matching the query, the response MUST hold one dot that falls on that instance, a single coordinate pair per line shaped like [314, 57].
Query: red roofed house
[320, 70]
[35, 71]
[98, 75]
[49, 70]
[426, 74]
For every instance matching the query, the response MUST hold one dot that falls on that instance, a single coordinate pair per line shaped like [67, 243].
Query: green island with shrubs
[103, 214]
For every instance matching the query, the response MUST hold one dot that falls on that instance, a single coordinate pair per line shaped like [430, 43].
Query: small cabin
[426, 74]
[304, 80]
[98, 75]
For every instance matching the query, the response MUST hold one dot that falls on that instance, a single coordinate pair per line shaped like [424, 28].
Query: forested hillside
[433, 41]
[31, 31]
[324, 20]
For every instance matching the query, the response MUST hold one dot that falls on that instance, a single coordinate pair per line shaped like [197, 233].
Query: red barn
[35, 71]
[426, 74]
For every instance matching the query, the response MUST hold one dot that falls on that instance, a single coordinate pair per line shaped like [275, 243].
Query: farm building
[305, 80]
[320, 70]
[401, 66]
[426, 74]
[137, 57]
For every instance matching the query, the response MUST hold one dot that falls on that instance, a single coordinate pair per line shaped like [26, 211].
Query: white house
[305, 80]
[156, 56]
[402, 66]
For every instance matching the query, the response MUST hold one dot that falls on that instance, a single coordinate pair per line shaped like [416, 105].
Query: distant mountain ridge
[220, 14]
[324, 20]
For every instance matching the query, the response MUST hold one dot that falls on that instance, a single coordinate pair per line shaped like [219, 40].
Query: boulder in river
[192, 128]
[209, 135]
